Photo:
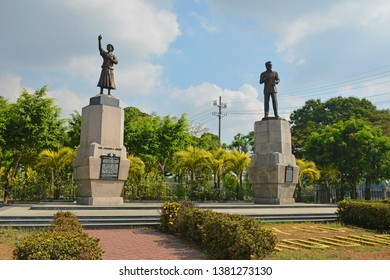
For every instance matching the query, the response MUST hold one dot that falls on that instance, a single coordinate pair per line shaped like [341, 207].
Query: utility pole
[219, 114]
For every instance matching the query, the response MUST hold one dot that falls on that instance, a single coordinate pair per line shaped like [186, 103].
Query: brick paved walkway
[133, 244]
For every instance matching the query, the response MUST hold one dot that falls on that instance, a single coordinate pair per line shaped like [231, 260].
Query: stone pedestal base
[277, 201]
[273, 171]
[101, 165]
[100, 192]
[100, 201]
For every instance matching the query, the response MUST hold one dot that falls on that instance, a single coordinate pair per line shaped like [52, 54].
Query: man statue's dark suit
[270, 79]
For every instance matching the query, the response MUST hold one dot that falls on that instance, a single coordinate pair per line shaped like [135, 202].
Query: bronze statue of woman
[107, 75]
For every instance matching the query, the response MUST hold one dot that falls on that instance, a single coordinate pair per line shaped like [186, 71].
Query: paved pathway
[133, 244]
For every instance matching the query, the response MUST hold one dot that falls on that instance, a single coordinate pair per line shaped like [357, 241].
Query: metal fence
[320, 195]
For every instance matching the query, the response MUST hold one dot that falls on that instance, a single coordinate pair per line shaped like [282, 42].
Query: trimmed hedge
[366, 214]
[221, 236]
[63, 240]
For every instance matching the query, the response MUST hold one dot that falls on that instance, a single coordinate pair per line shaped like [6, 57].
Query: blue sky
[178, 57]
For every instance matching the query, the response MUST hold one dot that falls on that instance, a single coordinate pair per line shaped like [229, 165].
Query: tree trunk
[328, 195]
[6, 193]
[162, 168]
[367, 195]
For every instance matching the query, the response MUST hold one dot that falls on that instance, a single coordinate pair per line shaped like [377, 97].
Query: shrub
[65, 221]
[63, 240]
[367, 214]
[221, 236]
[58, 245]
[168, 216]
[235, 237]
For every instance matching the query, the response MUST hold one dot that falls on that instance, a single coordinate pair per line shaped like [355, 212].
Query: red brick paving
[133, 244]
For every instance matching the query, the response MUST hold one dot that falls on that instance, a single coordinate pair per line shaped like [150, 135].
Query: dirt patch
[5, 252]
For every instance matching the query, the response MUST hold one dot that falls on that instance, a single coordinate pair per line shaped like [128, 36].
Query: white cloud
[68, 101]
[10, 86]
[139, 79]
[352, 15]
[87, 66]
[143, 26]
[243, 107]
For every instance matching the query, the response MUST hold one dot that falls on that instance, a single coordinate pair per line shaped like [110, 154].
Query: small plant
[169, 214]
[63, 240]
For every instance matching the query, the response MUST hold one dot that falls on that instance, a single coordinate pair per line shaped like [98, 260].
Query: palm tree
[215, 163]
[309, 173]
[136, 171]
[191, 160]
[57, 163]
[237, 162]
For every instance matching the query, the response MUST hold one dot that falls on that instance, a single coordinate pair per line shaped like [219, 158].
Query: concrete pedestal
[101, 165]
[273, 171]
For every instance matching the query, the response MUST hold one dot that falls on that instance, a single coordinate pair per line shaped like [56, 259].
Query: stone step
[145, 221]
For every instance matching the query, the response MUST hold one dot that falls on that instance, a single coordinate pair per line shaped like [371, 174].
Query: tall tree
[154, 138]
[33, 124]
[330, 176]
[315, 115]
[57, 164]
[191, 160]
[216, 162]
[347, 146]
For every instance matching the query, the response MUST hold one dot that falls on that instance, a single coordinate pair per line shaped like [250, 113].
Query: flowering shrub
[63, 240]
[169, 214]
[221, 236]
[65, 221]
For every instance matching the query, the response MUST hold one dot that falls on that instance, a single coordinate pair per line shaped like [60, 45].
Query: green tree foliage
[353, 147]
[207, 141]
[73, 130]
[58, 164]
[330, 177]
[243, 143]
[191, 160]
[134, 181]
[32, 124]
[237, 162]
[216, 162]
[4, 107]
[308, 174]
[315, 115]
[155, 139]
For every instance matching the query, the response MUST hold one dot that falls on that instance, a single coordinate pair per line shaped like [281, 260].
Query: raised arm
[100, 43]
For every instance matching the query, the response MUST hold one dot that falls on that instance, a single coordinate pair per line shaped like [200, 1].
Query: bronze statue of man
[270, 79]
[107, 75]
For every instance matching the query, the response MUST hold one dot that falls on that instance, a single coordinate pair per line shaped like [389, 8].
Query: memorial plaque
[109, 169]
[289, 174]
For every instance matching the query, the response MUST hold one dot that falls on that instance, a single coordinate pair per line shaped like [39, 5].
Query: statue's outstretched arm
[100, 43]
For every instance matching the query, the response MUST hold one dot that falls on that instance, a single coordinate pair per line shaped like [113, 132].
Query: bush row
[367, 214]
[63, 240]
[221, 236]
